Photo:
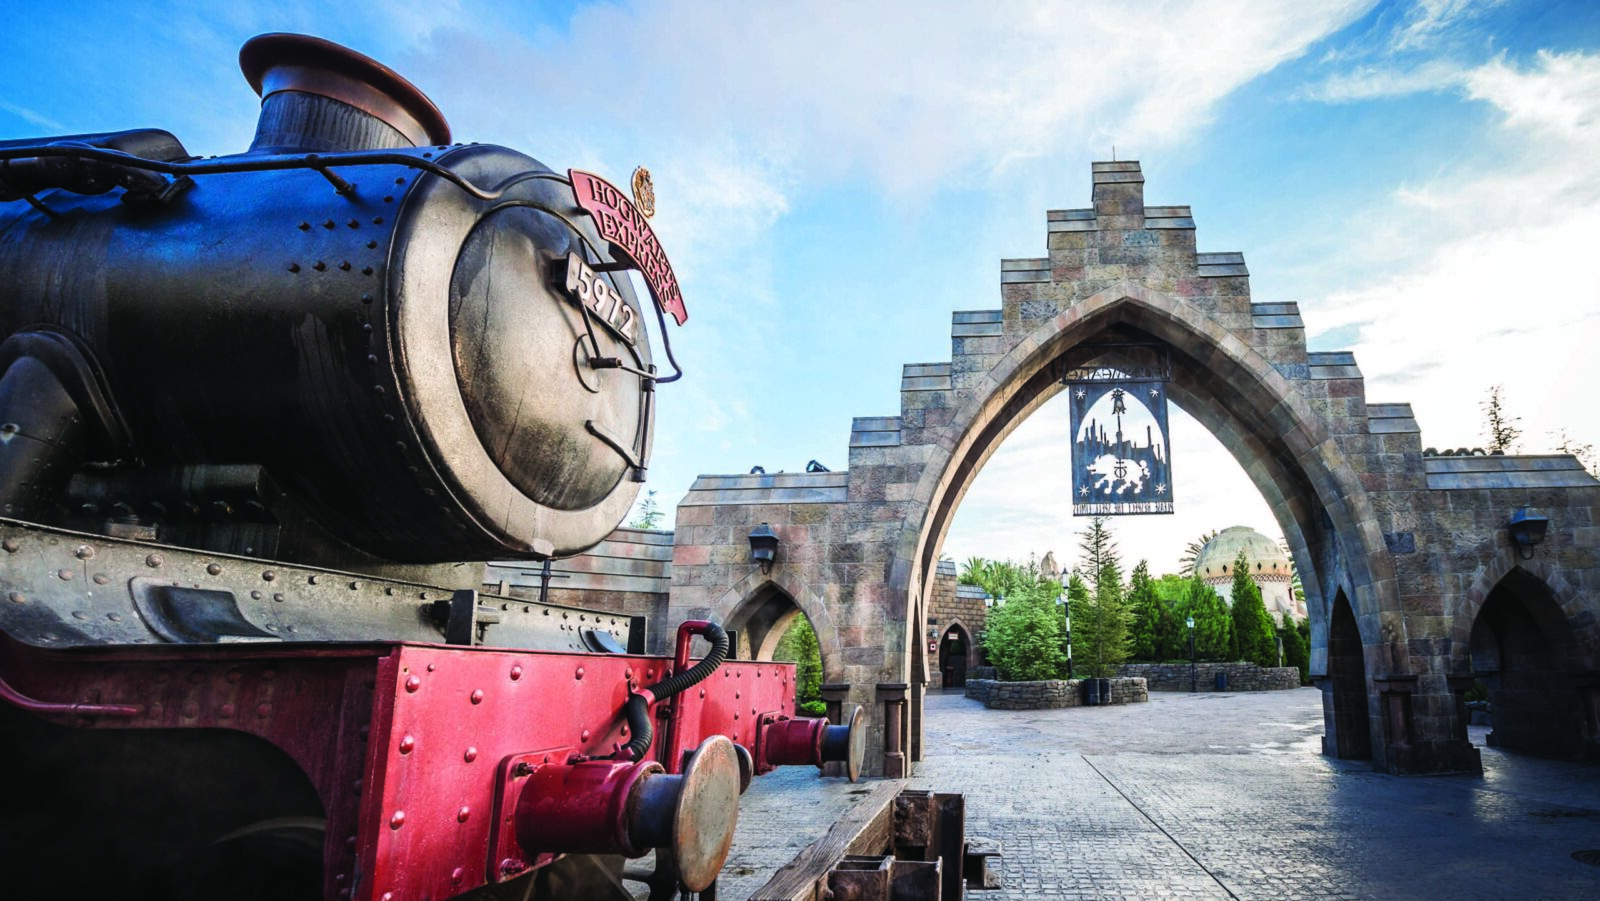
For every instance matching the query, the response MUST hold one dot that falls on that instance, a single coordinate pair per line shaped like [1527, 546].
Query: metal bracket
[463, 620]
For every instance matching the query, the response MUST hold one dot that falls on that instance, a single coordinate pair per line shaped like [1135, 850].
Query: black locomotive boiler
[259, 415]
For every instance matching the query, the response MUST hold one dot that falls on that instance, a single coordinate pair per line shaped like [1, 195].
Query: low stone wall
[1241, 676]
[1049, 694]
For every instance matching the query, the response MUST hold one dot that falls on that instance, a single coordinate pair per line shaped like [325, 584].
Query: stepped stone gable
[1399, 550]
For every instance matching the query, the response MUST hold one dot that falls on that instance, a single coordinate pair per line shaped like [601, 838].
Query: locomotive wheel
[272, 860]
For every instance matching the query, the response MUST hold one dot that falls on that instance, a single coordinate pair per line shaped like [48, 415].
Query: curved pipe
[637, 710]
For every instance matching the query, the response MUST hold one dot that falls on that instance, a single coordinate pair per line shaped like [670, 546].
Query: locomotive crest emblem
[644, 192]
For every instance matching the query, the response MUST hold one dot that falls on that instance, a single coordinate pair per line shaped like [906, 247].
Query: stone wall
[1241, 676]
[1049, 694]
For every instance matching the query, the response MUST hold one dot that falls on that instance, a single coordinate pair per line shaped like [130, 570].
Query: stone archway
[1347, 720]
[1389, 531]
[761, 608]
[1540, 681]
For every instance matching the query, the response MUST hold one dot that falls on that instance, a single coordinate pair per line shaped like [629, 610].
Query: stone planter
[1052, 694]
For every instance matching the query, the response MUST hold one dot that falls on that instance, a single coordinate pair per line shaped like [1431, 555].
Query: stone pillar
[1394, 703]
[1459, 685]
[835, 694]
[893, 697]
[918, 693]
[1587, 685]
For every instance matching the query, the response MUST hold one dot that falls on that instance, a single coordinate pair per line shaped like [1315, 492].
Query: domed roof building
[1269, 568]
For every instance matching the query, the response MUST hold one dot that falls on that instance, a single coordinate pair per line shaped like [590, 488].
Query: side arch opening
[772, 626]
[1347, 723]
[1523, 649]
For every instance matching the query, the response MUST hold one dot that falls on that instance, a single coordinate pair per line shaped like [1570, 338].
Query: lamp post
[1193, 674]
[1065, 603]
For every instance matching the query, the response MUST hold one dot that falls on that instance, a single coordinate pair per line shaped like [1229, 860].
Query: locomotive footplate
[74, 589]
[409, 746]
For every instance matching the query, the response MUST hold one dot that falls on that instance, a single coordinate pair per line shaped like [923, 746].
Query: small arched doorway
[771, 625]
[761, 621]
[1523, 650]
[1348, 727]
[955, 654]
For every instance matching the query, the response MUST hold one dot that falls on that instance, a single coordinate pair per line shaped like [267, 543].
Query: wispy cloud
[1429, 20]
[1373, 82]
[29, 116]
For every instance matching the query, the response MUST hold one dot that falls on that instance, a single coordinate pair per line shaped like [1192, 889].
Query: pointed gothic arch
[1232, 390]
[761, 606]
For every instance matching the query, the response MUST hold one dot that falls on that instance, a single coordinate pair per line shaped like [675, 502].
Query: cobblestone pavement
[1211, 796]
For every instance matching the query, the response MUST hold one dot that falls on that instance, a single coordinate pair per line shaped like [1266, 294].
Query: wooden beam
[865, 829]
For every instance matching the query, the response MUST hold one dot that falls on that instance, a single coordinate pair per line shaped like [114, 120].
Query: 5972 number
[595, 293]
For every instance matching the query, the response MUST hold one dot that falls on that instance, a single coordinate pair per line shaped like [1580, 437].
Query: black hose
[637, 710]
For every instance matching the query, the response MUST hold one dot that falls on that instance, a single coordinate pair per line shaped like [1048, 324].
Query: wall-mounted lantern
[764, 546]
[1527, 527]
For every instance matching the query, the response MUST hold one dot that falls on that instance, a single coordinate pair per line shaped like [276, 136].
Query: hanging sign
[1121, 456]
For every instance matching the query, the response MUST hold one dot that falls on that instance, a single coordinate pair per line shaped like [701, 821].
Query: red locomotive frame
[414, 748]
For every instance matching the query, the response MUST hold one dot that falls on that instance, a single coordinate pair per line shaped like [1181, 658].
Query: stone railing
[1049, 694]
[1241, 676]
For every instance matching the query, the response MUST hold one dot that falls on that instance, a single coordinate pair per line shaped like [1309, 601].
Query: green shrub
[812, 709]
[1024, 635]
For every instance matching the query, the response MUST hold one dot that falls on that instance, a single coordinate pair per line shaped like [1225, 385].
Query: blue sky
[835, 179]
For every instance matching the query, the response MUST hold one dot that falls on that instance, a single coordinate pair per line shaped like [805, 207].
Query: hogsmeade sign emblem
[625, 227]
[1121, 455]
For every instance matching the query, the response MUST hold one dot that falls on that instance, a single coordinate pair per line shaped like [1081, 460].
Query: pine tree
[1213, 626]
[1147, 610]
[1252, 625]
[1078, 605]
[799, 645]
[1097, 548]
[1101, 631]
[1295, 651]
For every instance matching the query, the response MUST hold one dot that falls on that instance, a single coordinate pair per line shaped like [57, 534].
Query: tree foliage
[1100, 627]
[799, 646]
[999, 578]
[1148, 612]
[1253, 628]
[1191, 552]
[1023, 636]
[1499, 426]
[1296, 651]
[1583, 450]
[646, 515]
[1213, 624]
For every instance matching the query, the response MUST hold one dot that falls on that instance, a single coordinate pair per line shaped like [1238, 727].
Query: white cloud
[1501, 288]
[910, 97]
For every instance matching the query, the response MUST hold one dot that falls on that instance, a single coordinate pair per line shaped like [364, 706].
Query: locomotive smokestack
[320, 97]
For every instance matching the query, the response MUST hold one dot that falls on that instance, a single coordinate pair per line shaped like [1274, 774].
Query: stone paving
[1211, 796]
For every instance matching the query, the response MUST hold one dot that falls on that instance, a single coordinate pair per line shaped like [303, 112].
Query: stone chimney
[1118, 196]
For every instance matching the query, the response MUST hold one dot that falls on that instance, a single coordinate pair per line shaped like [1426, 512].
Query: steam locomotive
[259, 415]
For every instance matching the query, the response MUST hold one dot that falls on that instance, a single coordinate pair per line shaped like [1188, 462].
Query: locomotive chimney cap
[298, 62]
